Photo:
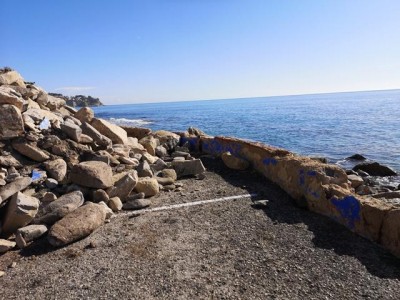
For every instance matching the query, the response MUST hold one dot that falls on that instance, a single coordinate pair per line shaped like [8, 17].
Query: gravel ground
[224, 250]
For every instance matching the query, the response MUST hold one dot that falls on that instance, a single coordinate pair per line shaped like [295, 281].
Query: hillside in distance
[79, 100]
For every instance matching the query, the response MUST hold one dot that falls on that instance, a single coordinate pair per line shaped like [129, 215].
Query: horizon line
[239, 98]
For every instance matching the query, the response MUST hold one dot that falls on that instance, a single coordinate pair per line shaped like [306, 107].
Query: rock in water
[356, 157]
[59, 208]
[16, 186]
[11, 124]
[93, 174]
[77, 224]
[233, 162]
[21, 210]
[375, 169]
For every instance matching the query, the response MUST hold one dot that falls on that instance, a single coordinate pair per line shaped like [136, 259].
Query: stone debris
[29, 233]
[77, 224]
[68, 171]
[56, 161]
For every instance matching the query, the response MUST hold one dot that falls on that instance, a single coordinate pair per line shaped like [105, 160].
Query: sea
[334, 126]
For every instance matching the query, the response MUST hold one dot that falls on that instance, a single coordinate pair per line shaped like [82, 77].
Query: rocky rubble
[64, 172]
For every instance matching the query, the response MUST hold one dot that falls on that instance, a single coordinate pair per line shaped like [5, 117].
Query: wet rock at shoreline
[375, 169]
[357, 157]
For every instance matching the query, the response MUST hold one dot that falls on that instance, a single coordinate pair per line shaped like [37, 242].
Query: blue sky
[171, 50]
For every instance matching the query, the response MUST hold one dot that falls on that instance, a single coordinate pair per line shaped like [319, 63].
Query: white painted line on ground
[187, 204]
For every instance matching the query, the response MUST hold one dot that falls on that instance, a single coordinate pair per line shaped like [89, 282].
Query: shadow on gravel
[327, 233]
[37, 248]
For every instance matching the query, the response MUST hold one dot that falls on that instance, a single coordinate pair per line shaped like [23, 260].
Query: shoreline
[60, 164]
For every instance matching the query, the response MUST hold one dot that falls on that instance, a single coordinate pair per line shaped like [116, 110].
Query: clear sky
[168, 50]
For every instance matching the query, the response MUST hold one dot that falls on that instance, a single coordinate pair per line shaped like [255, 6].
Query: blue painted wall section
[216, 147]
[349, 208]
[193, 142]
[270, 161]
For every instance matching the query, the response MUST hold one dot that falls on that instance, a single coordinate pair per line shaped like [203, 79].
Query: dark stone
[356, 157]
[375, 169]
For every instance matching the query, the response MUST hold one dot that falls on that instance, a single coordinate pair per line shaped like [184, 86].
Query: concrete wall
[322, 188]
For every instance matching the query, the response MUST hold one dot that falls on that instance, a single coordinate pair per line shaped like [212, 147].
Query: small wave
[130, 122]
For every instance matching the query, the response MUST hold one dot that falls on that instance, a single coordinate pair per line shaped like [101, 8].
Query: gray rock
[9, 161]
[144, 169]
[100, 196]
[148, 186]
[159, 165]
[113, 132]
[28, 234]
[14, 187]
[115, 204]
[6, 245]
[21, 210]
[48, 197]
[30, 150]
[135, 196]
[95, 135]
[165, 180]
[11, 124]
[136, 204]
[72, 130]
[375, 169]
[77, 224]
[51, 183]
[59, 208]
[57, 169]
[188, 167]
[161, 151]
[171, 173]
[10, 96]
[85, 114]
[123, 187]
[12, 78]
[93, 174]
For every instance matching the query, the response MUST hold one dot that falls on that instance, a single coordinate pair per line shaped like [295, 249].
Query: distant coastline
[79, 100]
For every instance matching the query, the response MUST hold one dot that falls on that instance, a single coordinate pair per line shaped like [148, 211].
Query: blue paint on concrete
[193, 142]
[270, 161]
[312, 173]
[313, 193]
[301, 177]
[216, 147]
[349, 208]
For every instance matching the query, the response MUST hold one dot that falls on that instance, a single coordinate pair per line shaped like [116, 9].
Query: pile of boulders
[64, 172]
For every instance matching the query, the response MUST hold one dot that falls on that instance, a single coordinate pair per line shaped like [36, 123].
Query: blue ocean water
[334, 126]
